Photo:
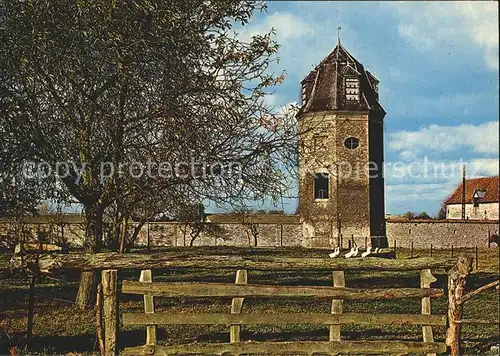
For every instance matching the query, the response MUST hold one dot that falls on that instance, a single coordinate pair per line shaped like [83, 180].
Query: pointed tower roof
[324, 87]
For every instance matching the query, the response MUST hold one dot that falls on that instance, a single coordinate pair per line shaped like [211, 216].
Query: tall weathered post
[110, 290]
[463, 192]
[457, 277]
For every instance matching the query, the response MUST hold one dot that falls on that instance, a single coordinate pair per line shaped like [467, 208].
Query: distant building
[481, 200]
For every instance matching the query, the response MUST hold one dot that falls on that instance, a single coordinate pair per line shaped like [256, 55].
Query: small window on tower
[319, 143]
[304, 94]
[351, 143]
[321, 186]
[351, 89]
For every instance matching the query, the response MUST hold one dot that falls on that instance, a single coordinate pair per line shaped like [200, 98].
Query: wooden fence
[109, 263]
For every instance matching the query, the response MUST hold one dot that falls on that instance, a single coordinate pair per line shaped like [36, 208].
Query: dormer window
[478, 195]
[352, 89]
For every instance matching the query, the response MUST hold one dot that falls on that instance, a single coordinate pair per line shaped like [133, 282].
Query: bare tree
[246, 217]
[441, 215]
[111, 87]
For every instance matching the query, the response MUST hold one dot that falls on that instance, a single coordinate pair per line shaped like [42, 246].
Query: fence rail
[303, 347]
[162, 289]
[292, 318]
[113, 260]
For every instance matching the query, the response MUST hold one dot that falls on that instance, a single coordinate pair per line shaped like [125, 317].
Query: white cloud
[428, 171]
[412, 192]
[482, 138]
[451, 24]
[286, 25]
[412, 32]
[447, 105]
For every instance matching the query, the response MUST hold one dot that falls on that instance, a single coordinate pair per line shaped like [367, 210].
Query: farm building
[480, 200]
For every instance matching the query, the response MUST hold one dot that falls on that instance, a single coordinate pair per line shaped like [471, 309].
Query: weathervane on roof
[338, 33]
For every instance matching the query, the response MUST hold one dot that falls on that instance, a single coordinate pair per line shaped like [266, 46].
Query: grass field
[61, 328]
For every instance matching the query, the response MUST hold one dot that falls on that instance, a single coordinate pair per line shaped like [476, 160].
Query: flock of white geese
[354, 252]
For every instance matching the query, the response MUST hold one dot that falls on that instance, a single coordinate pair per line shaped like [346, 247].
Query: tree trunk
[135, 234]
[123, 235]
[93, 228]
[87, 288]
[195, 232]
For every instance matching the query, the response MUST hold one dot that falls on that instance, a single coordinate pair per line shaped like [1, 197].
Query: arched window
[351, 143]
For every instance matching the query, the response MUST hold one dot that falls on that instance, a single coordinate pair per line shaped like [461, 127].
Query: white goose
[367, 252]
[356, 251]
[377, 250]
[353, 253]
[350, 253]
[335, 253]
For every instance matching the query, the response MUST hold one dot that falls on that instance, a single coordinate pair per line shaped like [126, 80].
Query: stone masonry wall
[441, 233]
[169, 234]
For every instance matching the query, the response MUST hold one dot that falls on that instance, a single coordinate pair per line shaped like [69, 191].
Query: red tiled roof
[490, 185]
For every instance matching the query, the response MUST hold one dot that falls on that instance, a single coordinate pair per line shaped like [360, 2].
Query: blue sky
[438, 67]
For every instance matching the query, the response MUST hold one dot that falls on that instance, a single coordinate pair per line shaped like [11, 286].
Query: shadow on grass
[57, 345]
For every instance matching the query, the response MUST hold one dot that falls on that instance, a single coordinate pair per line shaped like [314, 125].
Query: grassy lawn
[61, 328]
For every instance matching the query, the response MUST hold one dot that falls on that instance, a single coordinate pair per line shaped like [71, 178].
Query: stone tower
[341, 154]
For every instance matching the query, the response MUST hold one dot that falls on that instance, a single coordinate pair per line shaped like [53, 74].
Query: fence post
[451, 251]
[477, 259]
[338, 281]
[236, 305]
[457, 277]
[110, 291]
[149, 307]
[98, 320]
[431, 250]
[426, 278]
[411, 253]
[31, 309]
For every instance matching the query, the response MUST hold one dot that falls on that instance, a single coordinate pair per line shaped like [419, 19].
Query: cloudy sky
[438, 67]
